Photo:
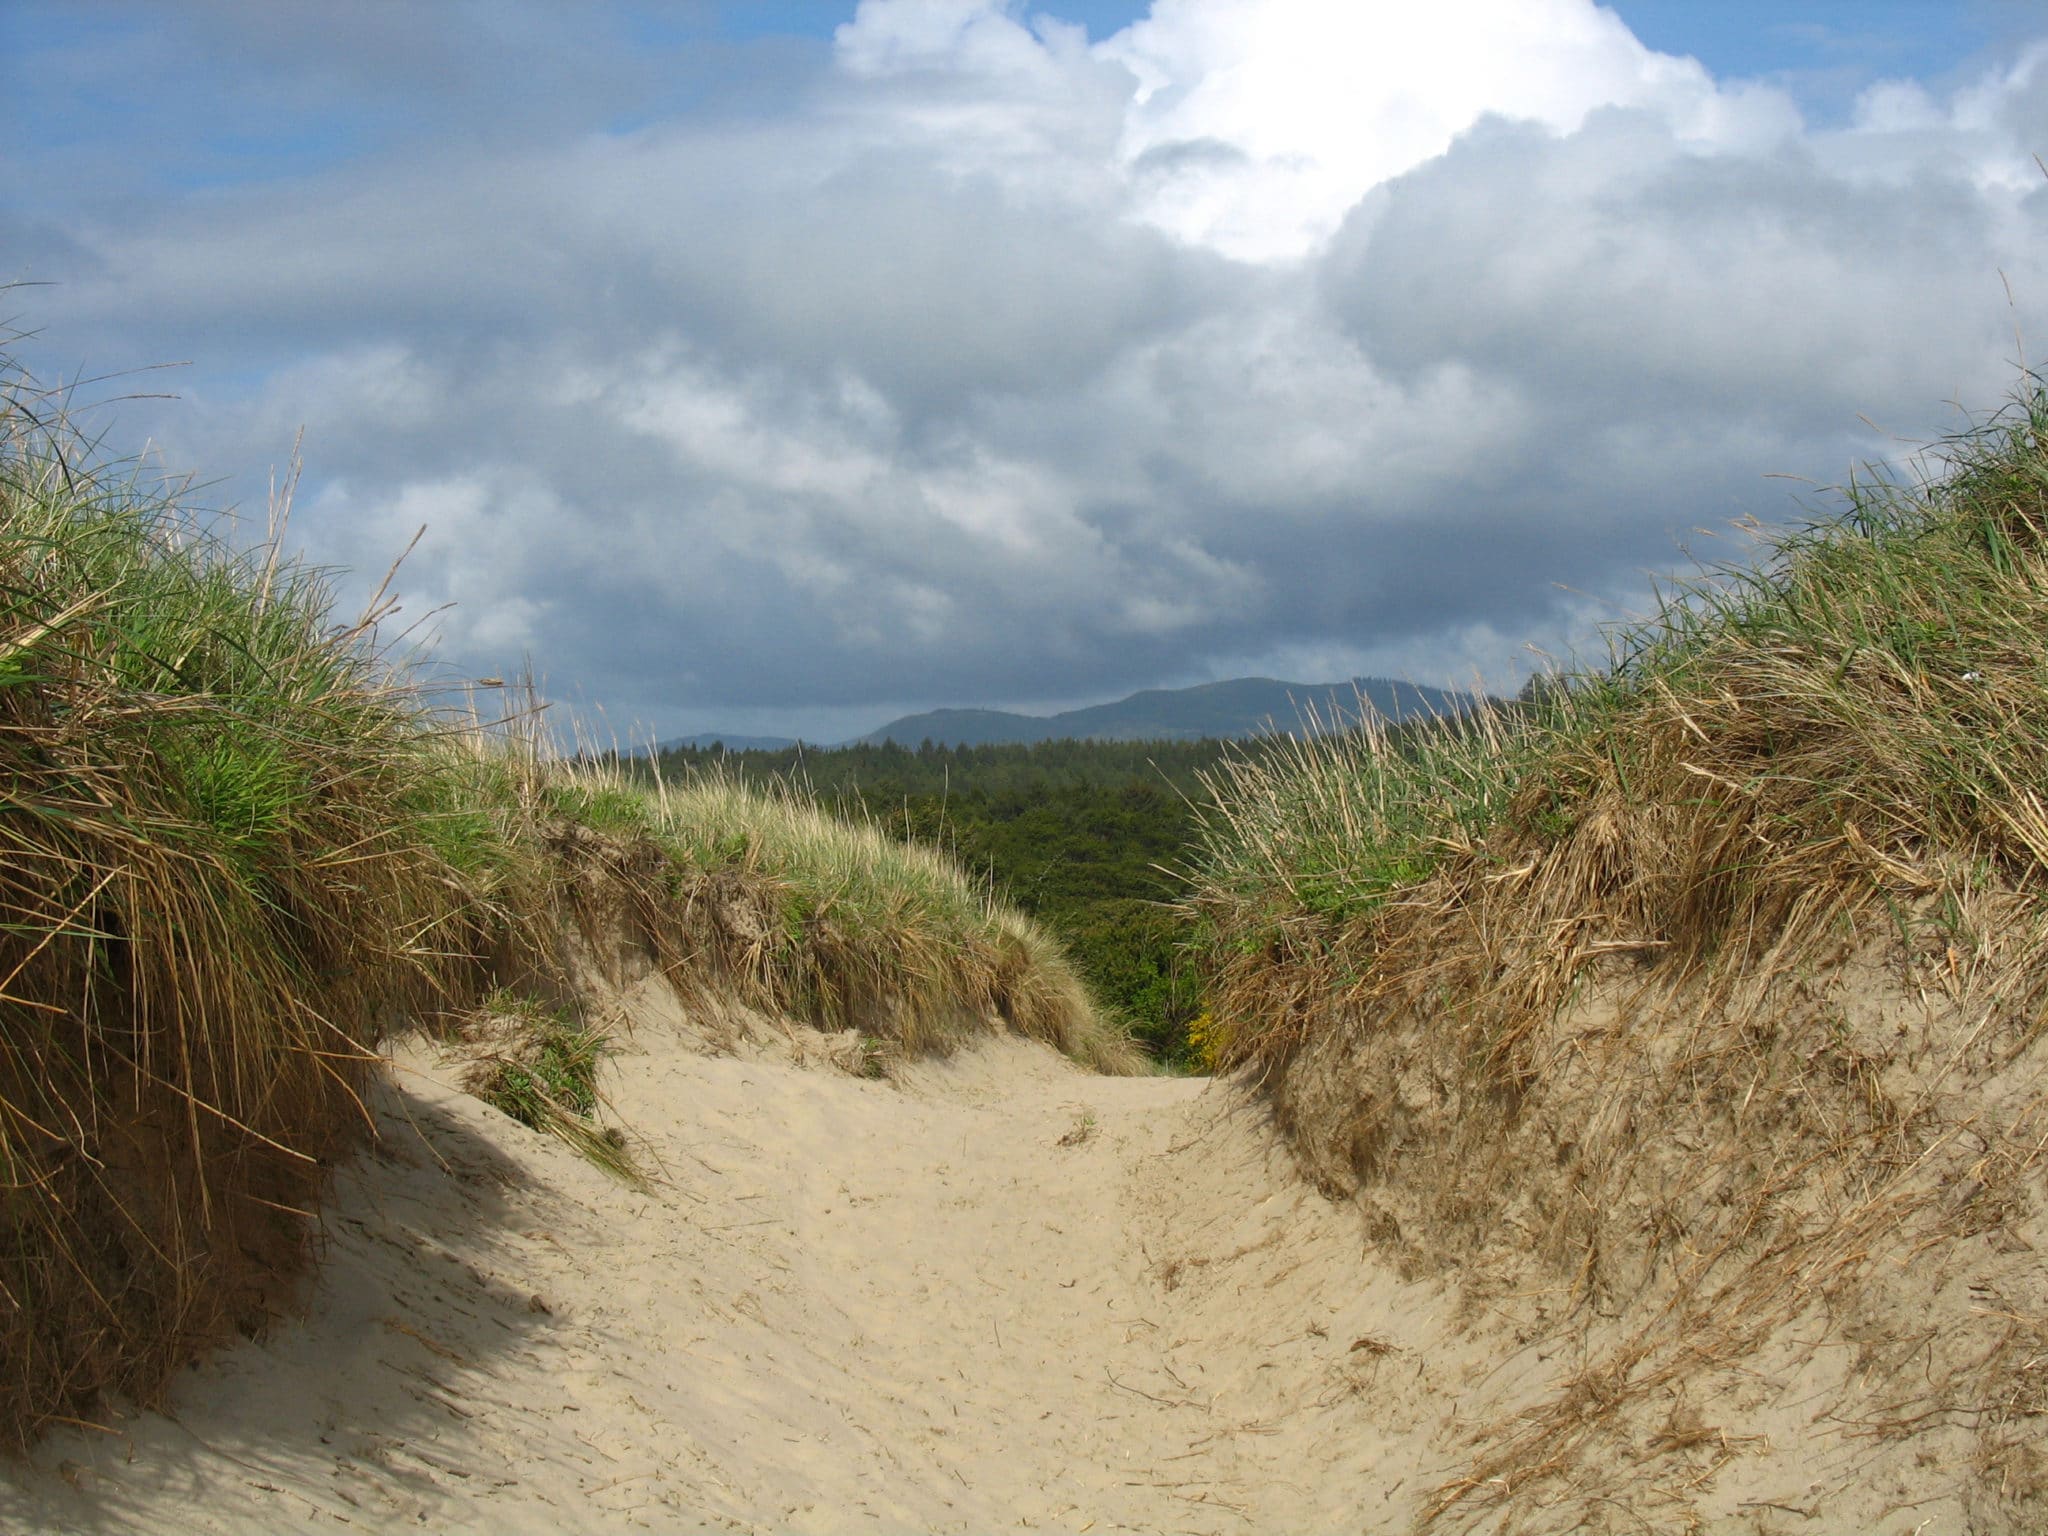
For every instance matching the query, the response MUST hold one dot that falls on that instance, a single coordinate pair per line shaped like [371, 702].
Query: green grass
[1084, 837]
[539, 1066]
[226, 864]
[1771, 751]
[833, 920]
[1331, 826]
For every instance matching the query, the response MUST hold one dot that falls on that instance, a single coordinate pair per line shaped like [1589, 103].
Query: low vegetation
[228, 864]
[239, 852]
[791, 909]
[1691, 1012]
[539, 1065]
[1090, 838]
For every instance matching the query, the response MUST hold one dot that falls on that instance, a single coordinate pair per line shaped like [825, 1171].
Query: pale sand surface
[994, 1294]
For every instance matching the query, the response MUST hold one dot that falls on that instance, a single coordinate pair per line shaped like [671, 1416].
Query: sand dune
[996, 1293]
[993, 1293]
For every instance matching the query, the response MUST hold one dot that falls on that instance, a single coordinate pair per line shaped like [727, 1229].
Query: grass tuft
[534, 1063]
[225, 870]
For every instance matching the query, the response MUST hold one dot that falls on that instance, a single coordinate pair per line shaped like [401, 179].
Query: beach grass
[1682, 994]
[537, 1063]
[232, 861]
[828, 919]
[240, 848]
[1856, 721]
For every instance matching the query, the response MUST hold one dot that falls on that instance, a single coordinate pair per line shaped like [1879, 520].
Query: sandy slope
[996, 1293]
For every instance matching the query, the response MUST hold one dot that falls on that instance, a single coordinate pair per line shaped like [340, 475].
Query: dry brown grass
[1707, 997]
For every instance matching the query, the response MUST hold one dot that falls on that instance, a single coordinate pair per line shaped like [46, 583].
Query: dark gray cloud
[910, 389]
[1619, 268]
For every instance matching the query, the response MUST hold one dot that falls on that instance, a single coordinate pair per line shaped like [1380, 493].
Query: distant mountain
[731, 742]
[1243, 706]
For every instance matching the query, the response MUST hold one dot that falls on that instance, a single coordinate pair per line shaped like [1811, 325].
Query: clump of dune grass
[237, 850]
[533, 1062]
[229, 861]
[1697, 985]
[765, 895]
[1328, 826]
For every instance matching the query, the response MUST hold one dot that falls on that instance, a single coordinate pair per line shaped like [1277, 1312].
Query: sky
[783, 367]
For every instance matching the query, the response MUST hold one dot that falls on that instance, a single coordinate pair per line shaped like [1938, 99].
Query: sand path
[994, 1294]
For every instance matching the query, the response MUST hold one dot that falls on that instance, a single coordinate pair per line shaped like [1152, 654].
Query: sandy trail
[995, 1293]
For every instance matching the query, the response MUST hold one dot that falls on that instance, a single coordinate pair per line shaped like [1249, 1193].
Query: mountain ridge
[1234, 707]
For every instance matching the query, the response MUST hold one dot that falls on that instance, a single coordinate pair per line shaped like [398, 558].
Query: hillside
[243, 855]
[1694, 1025]
[1240, 707]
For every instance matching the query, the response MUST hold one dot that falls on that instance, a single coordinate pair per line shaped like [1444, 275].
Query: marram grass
[224, 872]
[796, 910]
[237, 851]
[1697, 1004]
[1858, 723]
[539, 1065]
